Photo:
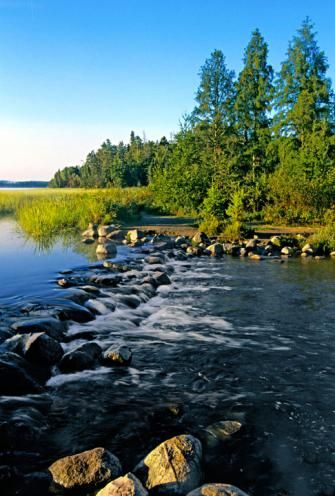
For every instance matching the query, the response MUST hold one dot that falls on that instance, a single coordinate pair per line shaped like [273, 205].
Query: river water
[230, 339]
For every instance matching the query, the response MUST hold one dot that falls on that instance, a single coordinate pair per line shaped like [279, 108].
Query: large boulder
[217, 490]
[51, 326]
[15, 378]
[85, 356]
[128, 485]
[88, 470]
[117, 355]
[173, 467]
[37, 348]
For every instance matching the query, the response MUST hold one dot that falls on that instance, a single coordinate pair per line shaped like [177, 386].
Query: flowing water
[230, 339]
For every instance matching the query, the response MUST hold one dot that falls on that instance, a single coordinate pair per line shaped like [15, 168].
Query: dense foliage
[258, 145]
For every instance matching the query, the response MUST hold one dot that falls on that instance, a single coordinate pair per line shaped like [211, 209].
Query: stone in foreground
[217, 490]
[117, 355]
[173, 467]
[88, 470]
[128, 485]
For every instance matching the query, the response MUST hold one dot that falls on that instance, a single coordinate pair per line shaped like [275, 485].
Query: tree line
[258, 145]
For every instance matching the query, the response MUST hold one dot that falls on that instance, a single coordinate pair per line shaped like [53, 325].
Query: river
[229, 339]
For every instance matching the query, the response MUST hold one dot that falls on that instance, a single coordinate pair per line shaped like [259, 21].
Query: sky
[76, 72]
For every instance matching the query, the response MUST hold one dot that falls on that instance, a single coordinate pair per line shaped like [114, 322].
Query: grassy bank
[43, 212]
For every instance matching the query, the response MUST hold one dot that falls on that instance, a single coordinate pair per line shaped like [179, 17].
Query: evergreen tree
[304, 97]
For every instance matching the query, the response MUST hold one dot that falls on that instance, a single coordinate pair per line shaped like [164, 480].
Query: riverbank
[165, 343]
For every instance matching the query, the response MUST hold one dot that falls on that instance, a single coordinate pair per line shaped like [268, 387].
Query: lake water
[229, 339]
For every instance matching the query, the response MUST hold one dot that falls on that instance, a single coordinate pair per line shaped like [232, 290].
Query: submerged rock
[128, 485]
[85, 356]
[117, 355]
[217, 490]
[174, 467]
[84, 471]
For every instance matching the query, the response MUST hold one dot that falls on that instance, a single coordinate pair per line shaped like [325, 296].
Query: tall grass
[51, 211]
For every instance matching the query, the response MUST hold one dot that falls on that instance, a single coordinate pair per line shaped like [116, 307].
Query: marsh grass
[45, 212]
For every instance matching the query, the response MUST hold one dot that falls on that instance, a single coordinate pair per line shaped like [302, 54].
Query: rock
[255, 256]
[117, 235]
[128, 485]
[153, 260]
[160, 278]
[106, 280]
[36, 348]
[134, 235]
[319, 257]
[200, 237]
[180, 240]
[276, 241]
[64, 283]
[107, 248]
[217, 490]
[14, 378]
[216, 250]
[91, 232]
[308, 248]
[51, 326]
[332, 253]
[287, 251]
[83, 357]
[223, 430]
[117, 355]
[88, 470]
[98, 307]
[235, 250]
[103, 231]
[251, 245]
[131, 301]
[173, 467]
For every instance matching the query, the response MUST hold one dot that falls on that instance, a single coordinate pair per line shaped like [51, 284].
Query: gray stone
[200, 237]
[53, 327]
[103, 231]
[160, 278]
[117, 235]
[216, 249]
[173, 467]
[89, 470]
[134, 235]
[107, 248]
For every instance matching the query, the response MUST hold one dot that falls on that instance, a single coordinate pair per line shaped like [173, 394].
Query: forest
[259, 145]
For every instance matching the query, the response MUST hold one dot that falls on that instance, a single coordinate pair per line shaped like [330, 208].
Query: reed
[51, 211]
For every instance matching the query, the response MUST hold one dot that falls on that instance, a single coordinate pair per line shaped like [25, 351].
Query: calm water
[230, 339]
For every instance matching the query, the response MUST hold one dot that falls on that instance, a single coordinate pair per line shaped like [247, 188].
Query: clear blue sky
[75, 72]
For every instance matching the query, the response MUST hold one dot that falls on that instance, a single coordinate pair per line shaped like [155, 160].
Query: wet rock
[37, 348]
[308, 249]
[89, 470]
[251, 245]
[276, 241]
[75, 294]
[51, 326]
[85, 356]
[91, 231]
[216, 250]
[200, 237]
[160, 278]
[255, 256]
[217, 490]
[173, 467]
[128, 485]
[152, 260]
[287, 251]
[117, 235]
[98, 307]
[35, 484]
[117, 355]
[21, 429]
[131, 301]
[103, 231]
[134, 235]
[319, 257]
[107, 249]
[90, 289]
[332, 253]
[106, 280]
[221, 431]
[64, 283]
[15, 377]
